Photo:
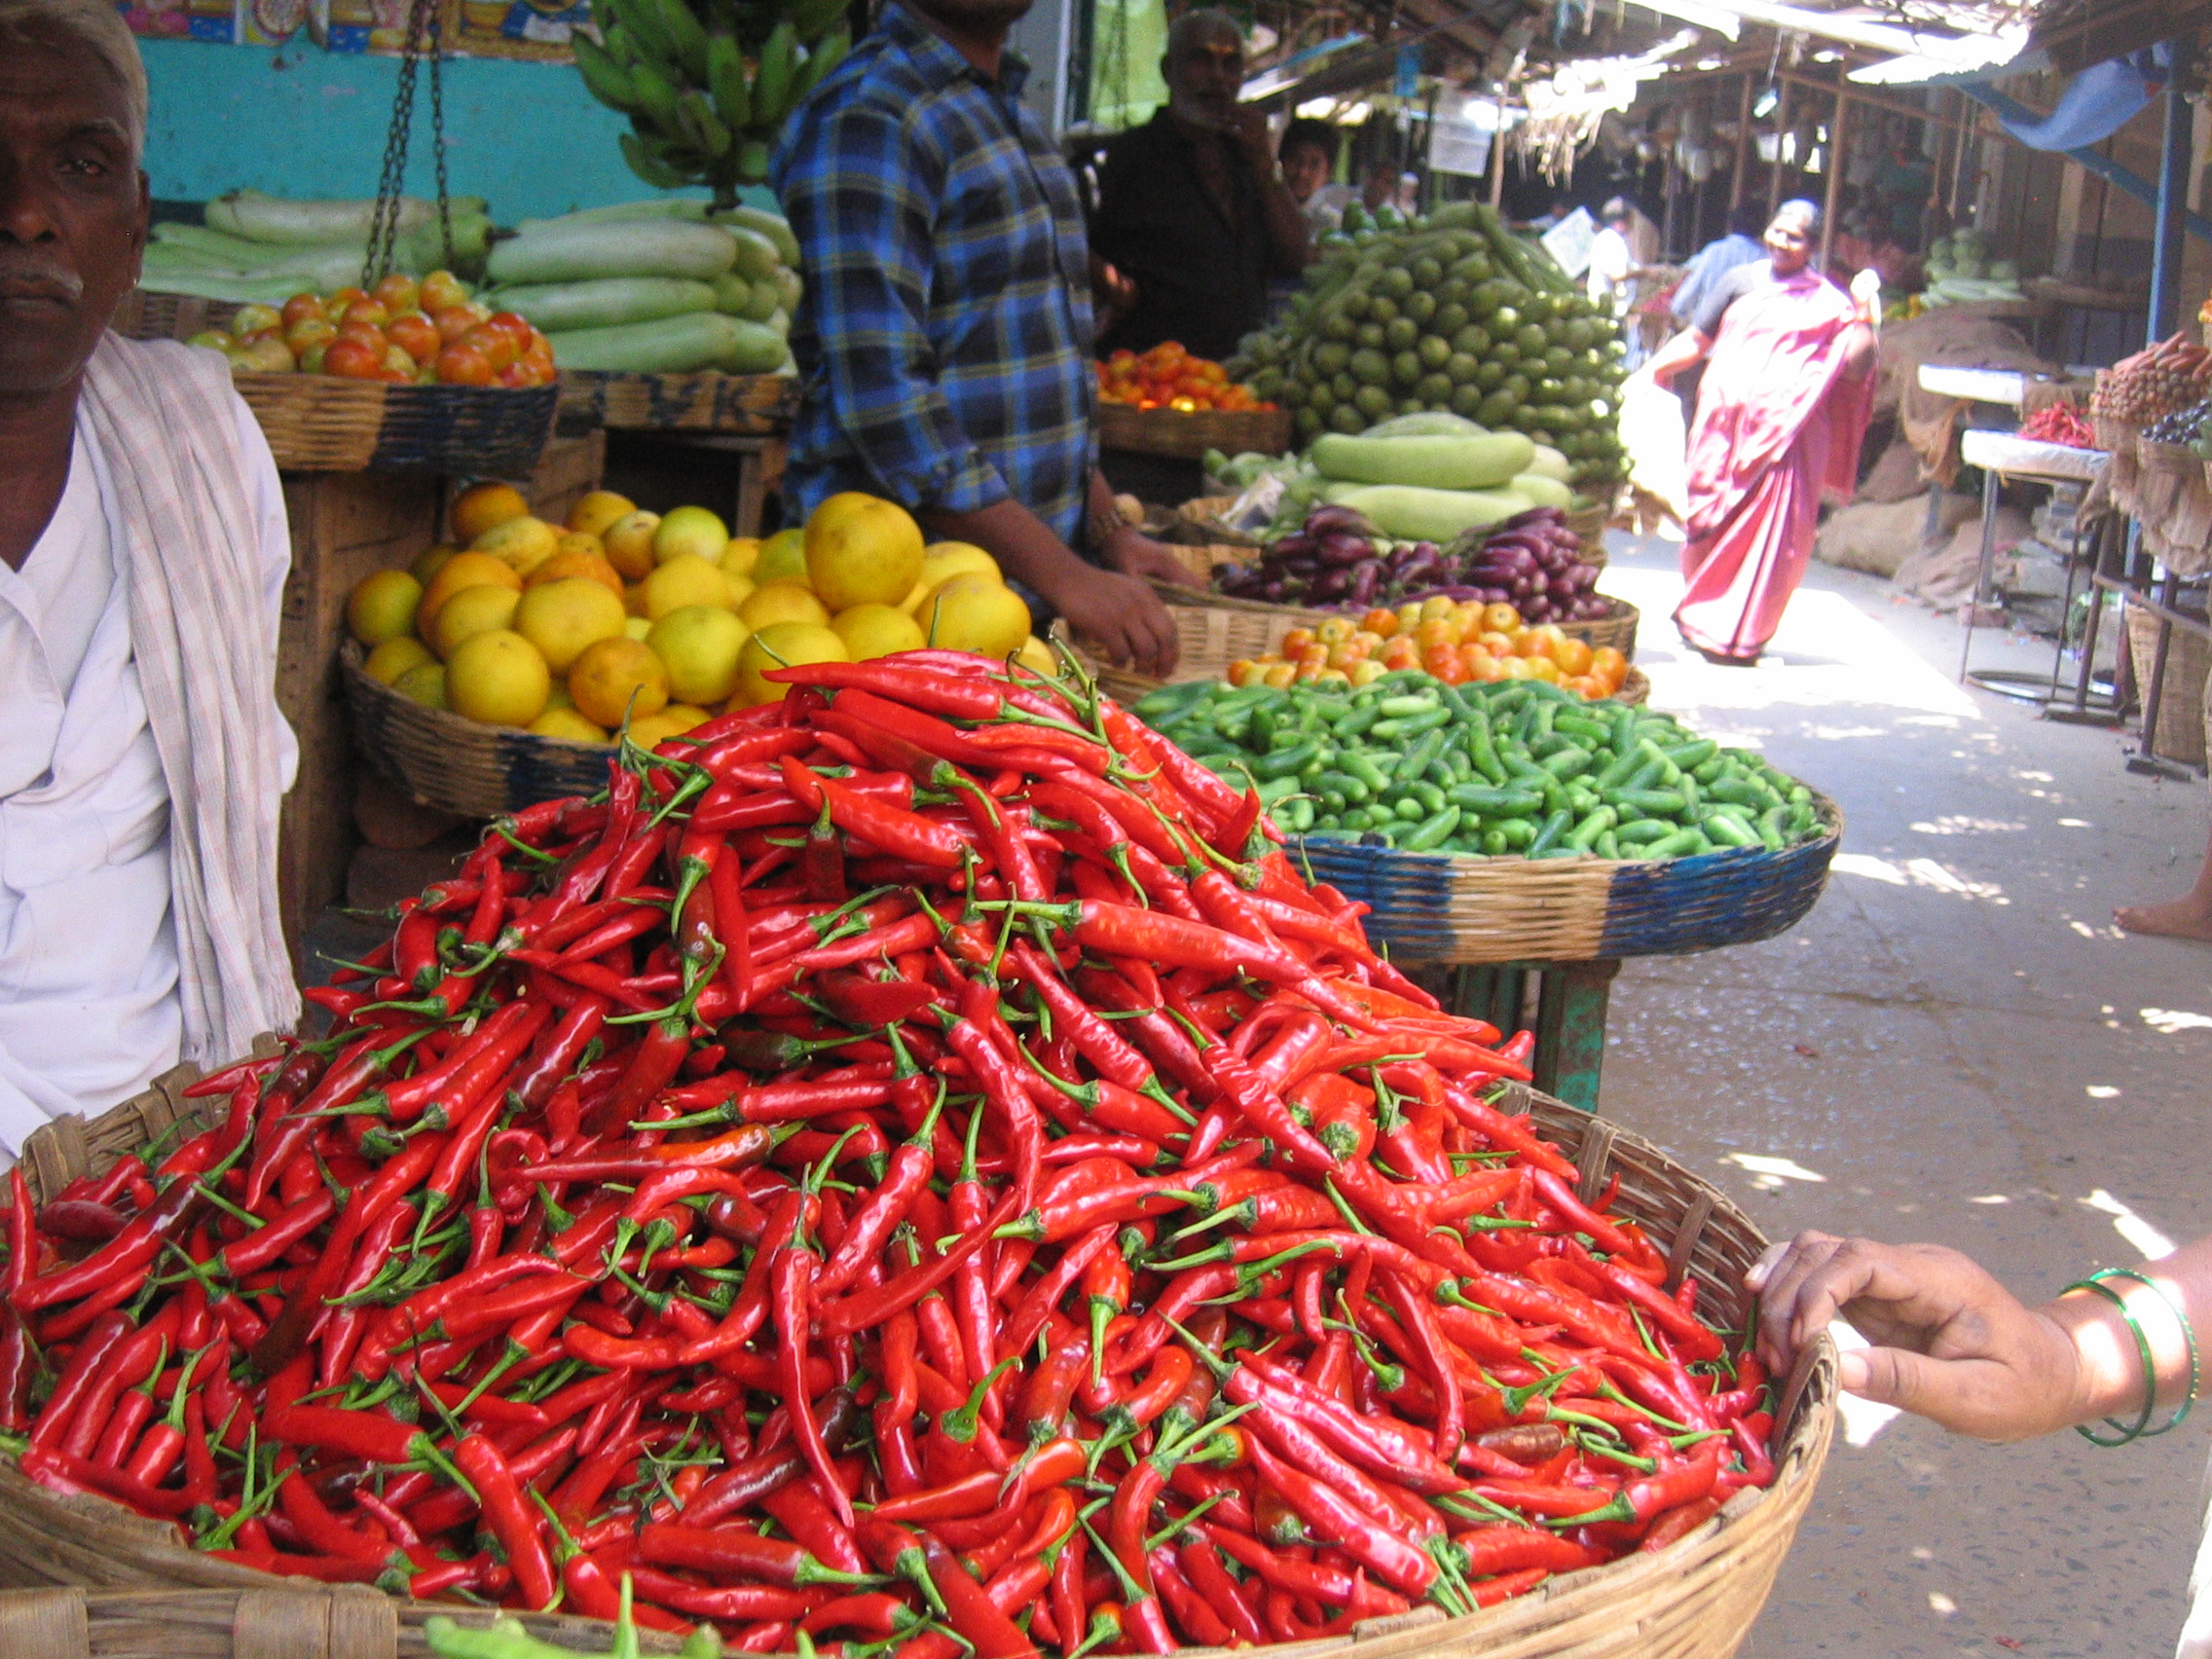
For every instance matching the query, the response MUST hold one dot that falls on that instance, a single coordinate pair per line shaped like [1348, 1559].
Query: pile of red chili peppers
[910, 1167]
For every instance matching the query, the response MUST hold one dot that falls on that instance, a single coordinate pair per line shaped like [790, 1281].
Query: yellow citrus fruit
[469, 612]
[782, 559]
[686, 580]
[575, 562]
[480, 506]
[566, 722]
[382, 605]
[781, 601]
[740, 589]
[579, 541]
[463, 570]
[875, 630]
[1037, 655]
[740, 556]
[561, 617]
[597, 509]
[969, 613]
[616, 679]
[941, 560]
[629, 543]
[699, 644]
[782, 645]
[426, 683]
[691, 529]
[431, 561]
[672, 721]
[863, 550]
[496, 676]
[637, 627]
[396, 656]
[524, 542]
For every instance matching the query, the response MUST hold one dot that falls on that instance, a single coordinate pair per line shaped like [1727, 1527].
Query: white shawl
[166, 419]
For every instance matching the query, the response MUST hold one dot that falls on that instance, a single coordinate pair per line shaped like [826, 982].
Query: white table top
[2008, 387]
[2028, 458]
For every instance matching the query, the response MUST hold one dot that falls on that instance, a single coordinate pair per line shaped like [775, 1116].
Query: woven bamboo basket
[1186, 435]
[1207, 511]
[140, 1593]
[1450, 907]
[327, 423]
[457, 765]
[2181, 733]
[738, 405]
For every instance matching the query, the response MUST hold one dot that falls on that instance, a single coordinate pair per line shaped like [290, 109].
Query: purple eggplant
[1341, 547]
[1365, 581]
[1328, 586]
[1322, 520]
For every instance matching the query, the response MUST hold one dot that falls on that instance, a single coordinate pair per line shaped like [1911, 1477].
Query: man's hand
[1133, 553]
[1951, 1343]
[1248, 129]
[1119, 615]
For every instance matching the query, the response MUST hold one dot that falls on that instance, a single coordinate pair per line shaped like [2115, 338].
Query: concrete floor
[1956, 1047]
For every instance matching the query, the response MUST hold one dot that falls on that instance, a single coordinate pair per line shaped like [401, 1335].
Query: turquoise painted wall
[307, 123]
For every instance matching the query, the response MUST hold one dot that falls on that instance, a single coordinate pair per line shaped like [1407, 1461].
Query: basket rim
[351, 658]
[1804, 1432]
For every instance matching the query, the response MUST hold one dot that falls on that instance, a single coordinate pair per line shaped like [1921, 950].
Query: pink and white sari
[1777, 423]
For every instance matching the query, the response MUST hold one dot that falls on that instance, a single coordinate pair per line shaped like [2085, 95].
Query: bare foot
[2184, 918]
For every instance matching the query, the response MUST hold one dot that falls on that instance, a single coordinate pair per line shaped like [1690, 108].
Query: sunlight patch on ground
[1768, 1173]
[2129, 1226]
[1951, 824]
[1828, 652]
[1869, 867]
[1863, 1420]
[2168, 1020]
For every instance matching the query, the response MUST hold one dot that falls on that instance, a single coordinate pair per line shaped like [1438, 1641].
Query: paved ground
[1956, 1047]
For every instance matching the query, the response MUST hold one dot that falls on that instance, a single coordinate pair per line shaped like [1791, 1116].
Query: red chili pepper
[517, 1525]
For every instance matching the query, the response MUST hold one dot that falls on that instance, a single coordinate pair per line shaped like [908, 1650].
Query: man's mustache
[34, 275]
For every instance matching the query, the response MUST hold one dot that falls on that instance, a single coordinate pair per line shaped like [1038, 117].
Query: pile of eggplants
[1337, 561]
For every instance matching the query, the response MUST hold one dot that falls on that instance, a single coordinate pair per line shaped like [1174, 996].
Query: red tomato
[442, 289]
[304, 308]
[398, 293]
[466, 365]
[417, 333]
[499, 347]
[353, 359]
[365, 309]
[456, 321]
[364, 334]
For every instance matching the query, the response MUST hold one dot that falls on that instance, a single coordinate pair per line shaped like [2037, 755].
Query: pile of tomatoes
[1167, 377]
[404, 332]
[1453, 640]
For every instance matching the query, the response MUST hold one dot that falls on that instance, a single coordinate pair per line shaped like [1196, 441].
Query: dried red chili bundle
[801, 1178]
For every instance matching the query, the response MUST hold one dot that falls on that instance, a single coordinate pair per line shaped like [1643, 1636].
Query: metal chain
[424, 36]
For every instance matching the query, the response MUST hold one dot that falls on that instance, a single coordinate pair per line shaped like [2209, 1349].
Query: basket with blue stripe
[1438, 907]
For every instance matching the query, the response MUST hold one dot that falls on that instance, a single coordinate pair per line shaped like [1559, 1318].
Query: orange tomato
[1530, 643]
[363, 334]
[398, 292]
[1551, 633]
[517, 376]
[1583, 686]
[398, 366]
[353, 359]
[365, 309]
[1401, 652]
[1445, 664]
[1434, 632]
[515, 326]
[1346, 655]
[1279, 675]
[1242, 672]
[497, 346]
[466, 365]
[336, 303]
[1501, 619]
[304, 308]
[307, 331]
[1367, 639]
[1296, 641]
[417, 333]
[1608, 664]
[1496, 644]
[1379, 622]
[456, 321]
[1542, 668]
[1573, 656]
[1312, 656]
[441, 289]
[1484, 667]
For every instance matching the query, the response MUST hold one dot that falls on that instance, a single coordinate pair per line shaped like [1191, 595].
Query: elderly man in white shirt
[142, 560]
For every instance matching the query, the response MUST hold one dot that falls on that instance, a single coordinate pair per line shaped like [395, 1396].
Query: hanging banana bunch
[707, 88]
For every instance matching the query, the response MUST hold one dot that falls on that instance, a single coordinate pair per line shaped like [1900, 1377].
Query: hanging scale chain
[425, 37]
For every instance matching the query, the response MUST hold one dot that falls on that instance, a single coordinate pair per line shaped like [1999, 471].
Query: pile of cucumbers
[1511, 768]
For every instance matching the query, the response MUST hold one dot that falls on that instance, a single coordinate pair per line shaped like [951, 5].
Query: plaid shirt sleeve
[858, 201]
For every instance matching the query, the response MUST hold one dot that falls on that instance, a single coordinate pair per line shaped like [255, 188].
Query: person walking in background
[1788, 385]
[1741, 246]
[1190, 208]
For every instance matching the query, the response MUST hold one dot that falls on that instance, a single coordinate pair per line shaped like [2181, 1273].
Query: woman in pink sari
[1779, 415]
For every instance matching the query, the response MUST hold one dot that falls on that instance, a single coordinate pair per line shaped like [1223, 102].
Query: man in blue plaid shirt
[944, 335]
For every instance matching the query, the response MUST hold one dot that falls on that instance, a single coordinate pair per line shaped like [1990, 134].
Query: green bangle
[2188, 1333]
[2122, 1433]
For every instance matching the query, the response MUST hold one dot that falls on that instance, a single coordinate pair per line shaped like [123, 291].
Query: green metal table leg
[1570, 1029]
[1572, 1003]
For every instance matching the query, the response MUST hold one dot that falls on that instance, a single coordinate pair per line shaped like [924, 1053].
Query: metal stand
[2106, 551]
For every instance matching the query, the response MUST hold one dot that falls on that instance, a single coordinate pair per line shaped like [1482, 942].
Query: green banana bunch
[677, 69]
